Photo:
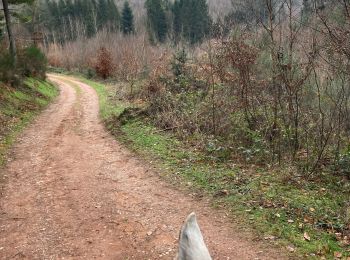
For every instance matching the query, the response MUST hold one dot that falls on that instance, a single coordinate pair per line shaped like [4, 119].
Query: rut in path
[73, 192]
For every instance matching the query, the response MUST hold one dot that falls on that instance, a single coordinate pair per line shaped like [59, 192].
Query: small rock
[291, 249]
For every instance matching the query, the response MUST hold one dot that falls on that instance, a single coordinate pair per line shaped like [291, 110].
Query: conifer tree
[53, 14]
[127, 23]
[88, 16]
[78, 9]
[177, 22]
[102, 14]
[191, 20]
[156, 20]
[71, 19]
[113, 16]
[201, 21]
[306, 10]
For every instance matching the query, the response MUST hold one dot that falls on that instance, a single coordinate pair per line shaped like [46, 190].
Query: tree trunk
[9, 31]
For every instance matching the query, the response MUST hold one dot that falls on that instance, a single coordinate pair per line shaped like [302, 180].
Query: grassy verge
[304, 218]
[18, 106]
[108, 108]
[309, 218]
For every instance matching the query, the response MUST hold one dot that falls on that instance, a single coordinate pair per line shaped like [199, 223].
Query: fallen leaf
[222, 193]
[338, 255]
[338, 236]
[312, 209]
[307, 237]
[270, 238]
[290, 221]
[290, 249]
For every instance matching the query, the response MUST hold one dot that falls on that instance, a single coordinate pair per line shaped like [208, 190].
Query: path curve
[73, 192]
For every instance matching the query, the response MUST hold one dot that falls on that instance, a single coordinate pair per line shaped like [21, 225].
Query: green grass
[108, 109]
[18, 106]
[275, 203]
[261, 199]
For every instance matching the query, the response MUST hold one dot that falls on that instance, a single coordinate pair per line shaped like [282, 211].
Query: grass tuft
[17, 108]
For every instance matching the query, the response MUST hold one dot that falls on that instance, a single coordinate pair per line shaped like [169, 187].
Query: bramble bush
[104, 63]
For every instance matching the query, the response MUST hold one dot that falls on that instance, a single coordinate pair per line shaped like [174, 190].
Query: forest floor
[72, 191]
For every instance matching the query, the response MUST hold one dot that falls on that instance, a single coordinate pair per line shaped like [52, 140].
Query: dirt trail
[73, 192]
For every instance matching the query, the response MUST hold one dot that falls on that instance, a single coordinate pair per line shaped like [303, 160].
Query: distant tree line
[66, 20]
[176, 21]
[186, 20]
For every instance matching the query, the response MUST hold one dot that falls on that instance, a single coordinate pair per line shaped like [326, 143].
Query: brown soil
[73, 192]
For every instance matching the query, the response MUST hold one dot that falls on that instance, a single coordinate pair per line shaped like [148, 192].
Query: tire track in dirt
[74, 193]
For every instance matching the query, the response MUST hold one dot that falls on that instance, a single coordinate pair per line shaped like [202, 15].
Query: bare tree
[9, 30]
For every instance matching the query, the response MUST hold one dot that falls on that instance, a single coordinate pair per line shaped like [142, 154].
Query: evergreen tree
[54, 14]
[191, 19]
[177, 22]
[306, 10]
[201, 21]
[78, 9]
[67, 19]
[113, 16]
[62, 6]
[102, 14]
[248, 12]
[70, 20]
[156, 20]
[127, 23]
[88, 18]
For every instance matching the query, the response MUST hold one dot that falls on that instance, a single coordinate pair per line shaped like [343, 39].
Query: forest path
[73, 192]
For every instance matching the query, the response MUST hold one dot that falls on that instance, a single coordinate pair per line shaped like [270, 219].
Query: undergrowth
[18, 106]
[310, 217]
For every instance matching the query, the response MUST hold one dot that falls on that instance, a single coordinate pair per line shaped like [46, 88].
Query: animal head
[191, 243]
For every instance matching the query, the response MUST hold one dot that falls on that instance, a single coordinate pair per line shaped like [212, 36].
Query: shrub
[344, 163]
[90, 73]
[104, 63]
[32, 62]
[178, 63]
[6, 67]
